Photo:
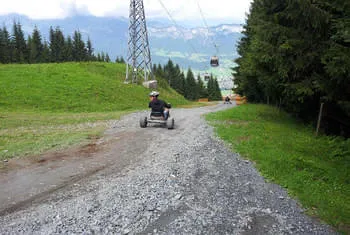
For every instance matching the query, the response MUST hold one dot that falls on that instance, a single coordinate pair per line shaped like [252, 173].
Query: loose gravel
[185, 181]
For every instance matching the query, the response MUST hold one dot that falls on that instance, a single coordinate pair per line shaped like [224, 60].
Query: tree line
[296, 54]
[15, 48]
[187, 85]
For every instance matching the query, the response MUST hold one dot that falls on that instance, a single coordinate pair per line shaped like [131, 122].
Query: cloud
[179, 9]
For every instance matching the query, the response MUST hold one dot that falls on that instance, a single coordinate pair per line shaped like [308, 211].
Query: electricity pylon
[139, 62]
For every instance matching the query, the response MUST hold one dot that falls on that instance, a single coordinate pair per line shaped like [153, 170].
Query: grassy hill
[51, 106]
[73, 87]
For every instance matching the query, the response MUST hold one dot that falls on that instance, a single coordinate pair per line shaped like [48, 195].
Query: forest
[15, 47]
[296, 55]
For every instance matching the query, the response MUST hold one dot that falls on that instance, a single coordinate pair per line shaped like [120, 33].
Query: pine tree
[107, 59]
[5, 46]
[103, 57]
[211, 89]
[336, 59]
[46, 55]
[169, 70]
[154, 69]
[176, 79]
[191, 91]
[52, 45]
[1, 46]
[217, 91]
[160, 71]
[36, 47]
[29, 45]
[68, 49]
[182, 84]
[20, 52]
[117, 60]
[79, 50]
[203, 93]
[57, 45]
[214, 92]
[89, 49]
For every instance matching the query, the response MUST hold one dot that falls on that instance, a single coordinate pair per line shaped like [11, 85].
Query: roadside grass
[313, 169]
[198, 104]
[53, 106]
[30, 133]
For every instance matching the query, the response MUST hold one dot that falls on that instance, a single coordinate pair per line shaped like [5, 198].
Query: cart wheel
[171, 123]
[143, 122]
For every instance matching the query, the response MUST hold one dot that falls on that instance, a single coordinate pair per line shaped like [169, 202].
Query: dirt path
[148, 181]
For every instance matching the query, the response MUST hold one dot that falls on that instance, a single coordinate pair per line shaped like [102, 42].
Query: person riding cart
[227, 100]
[159, 114]
[159, 107]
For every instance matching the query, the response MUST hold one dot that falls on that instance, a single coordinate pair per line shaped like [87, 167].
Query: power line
[176, 25]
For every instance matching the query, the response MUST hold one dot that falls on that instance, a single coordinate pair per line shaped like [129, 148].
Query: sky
[217, 11]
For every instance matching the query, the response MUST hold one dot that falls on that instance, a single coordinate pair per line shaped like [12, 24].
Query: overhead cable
[206, 25]
[176, 25]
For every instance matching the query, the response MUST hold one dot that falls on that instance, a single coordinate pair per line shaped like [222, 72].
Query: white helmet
[154, 93]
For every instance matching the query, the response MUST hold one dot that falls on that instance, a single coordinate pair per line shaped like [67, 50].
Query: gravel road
[150, 181]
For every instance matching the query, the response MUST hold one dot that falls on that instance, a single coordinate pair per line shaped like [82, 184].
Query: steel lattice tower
[139, 62]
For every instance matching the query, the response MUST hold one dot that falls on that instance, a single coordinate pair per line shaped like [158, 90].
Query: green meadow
[313, 169]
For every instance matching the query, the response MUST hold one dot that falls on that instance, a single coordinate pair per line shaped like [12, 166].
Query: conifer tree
[211, 88]
[107, 59]
[191, 91]
[89, 49]
[203, 93]
[20, 52]
[57, 45]
[154, 69]
[68, 49]
[160, 71]
[217, 91]
[5, 45]
[169, 70]
[46, 57]
[1, 47]
[214, 92]
[182, 84]
[103, 57]
[79, 50]
[35, 47]
[29, 46]
[176, 80]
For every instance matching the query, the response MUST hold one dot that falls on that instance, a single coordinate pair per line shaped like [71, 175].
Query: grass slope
[73, 87]
[314, 169]
[46, 106]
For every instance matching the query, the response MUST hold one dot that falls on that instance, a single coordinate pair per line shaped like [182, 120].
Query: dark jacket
[158, 107]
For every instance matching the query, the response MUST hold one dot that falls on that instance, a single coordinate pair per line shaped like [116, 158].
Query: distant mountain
[188, 47]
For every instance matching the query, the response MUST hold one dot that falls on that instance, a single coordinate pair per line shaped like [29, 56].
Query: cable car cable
[176, 25]
[206, 25]
[214, 60]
